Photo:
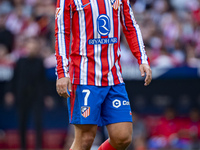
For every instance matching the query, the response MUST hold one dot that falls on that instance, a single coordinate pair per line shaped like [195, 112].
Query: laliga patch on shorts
[57, 13]
[85, 111]
[115, 4]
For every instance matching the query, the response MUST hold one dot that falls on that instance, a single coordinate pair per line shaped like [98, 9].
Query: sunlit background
[165, 114]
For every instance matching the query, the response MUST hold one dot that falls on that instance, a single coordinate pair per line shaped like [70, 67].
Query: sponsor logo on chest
[103, 29]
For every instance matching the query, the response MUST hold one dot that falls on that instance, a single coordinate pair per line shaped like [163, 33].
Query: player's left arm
[134, 38]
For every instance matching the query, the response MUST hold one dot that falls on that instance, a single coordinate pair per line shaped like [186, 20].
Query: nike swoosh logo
[83, 6]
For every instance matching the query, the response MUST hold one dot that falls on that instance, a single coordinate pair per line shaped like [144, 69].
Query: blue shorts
[99, 105]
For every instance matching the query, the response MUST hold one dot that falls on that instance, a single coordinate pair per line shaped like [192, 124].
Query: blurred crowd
[169, 131]
[21, 20]
[171, 33]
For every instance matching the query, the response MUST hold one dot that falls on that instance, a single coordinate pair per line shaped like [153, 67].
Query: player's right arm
[62, 35]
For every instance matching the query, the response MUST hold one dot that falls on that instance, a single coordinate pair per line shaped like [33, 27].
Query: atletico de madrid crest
[85, 111]
[115, 4]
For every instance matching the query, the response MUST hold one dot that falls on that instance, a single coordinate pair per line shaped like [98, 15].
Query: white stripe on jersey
[119, 51]
[122, 13]
[111, 57]
[83, 41]
[118, 72]
[61, 37]
[97, 48]
[112, 52]
[139, 36]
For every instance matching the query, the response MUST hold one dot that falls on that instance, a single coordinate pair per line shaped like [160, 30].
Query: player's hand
[144, 68]
[62, 85]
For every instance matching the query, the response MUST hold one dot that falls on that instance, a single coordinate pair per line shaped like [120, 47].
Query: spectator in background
[6, 65]
[189, 133]
[6, 37]
[164, 60]
[165, 135]
[27, 86]
[195, 129]
[170, 27]
[16, 20]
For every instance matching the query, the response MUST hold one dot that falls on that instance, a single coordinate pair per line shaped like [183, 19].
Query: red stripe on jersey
[58, 3]
[68, 29]
[75, 69]
[75, 48]
[90, 48]
[120, 65]
[116, 78]
[116, 46]
[76, 33]
[72, 99]
[104, 53]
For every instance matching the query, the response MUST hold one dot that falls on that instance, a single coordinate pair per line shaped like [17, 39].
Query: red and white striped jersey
[95, 50]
